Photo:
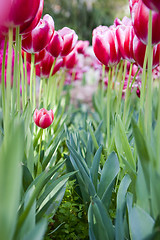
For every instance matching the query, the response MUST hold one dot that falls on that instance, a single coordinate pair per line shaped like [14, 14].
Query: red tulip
[43, 118]
[37, 56]
[105, 45]
[69, 40]
[38, 38]
[140, 16]
[125, 35]
[29, 26]
[44, 67]
[81, 46]
[56, 45]
[17, 12]
[71, 59]
[152, 4]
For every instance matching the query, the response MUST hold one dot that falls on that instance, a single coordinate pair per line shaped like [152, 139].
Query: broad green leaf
[27, 177]
[140, 222]
[109, 172]
[120, 209]
[37, 233]
[100, 221]
[121, 136]
[95, 167]
[11, 156]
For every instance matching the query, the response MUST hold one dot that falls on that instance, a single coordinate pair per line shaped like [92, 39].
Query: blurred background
[84, 15]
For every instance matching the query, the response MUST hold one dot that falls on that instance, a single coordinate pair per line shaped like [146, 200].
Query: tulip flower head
[105, 45]
[43, 118]
[140, 17]
[152, 4]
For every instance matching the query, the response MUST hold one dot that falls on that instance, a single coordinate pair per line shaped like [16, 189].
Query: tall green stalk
[148, 106]
[31, 79]
[3, 76]
[109, 89]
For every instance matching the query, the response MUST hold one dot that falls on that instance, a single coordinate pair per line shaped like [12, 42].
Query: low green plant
[70, 221]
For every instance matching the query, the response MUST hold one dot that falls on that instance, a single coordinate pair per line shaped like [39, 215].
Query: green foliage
[71, 218]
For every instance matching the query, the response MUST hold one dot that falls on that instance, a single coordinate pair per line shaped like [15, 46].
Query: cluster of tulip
[127, 39]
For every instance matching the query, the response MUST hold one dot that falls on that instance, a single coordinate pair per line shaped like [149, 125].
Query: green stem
[3, 76]
[34, 89]
[148, 106]
[8, 81]
[40, 91]
[31, 79]
[108, 106]
[158, 131]
[15, 69]
[126, 103]
[121, 84]
[143, 87]
[25, 77]
[22, 74]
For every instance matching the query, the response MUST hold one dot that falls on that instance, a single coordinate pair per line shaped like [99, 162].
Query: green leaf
[95, 167]
[37, 233]
[120, 210]
[109, 172]
[11, 156]
[27, 177]
[121, 138]
[140, 222]
[99, 221]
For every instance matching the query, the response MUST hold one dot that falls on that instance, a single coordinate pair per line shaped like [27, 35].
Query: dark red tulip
[71, 59]
[43, 118]
[44, 67]
[140, 17]
[105, 46]
[17, 12]
[152, 4]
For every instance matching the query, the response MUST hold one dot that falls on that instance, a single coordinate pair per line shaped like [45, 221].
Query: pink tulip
[125, 35]
[29, 26]
[69, 40]
[81, 46]
[39, 37]
[105, 45]
[152, 4]
[38, 57]
[17, 12]
[44, 67]
[71, 59]
[140, 17]
[43, 118]
[56, 45]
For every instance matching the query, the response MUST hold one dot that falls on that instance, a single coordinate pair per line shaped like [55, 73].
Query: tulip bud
[81, 46]
[43, 118]
[56, 45]
[71, 59]
[69, 40]
[38, 38]
[38, 57]
[140, 18]
[105, 46]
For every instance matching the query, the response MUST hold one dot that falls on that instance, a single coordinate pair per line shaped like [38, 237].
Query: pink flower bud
[81, 46]
[38, 38]
[71, 59]
[105, 45]
[56, 45]
[152, 4]
[43, 118]
[140, 18]
[69, 40]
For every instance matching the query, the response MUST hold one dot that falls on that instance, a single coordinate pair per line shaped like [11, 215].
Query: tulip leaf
[95, 167]
[120, 209]
[37, 233]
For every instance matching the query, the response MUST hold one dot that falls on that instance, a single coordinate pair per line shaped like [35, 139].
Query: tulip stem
[8, 81]
[31, 79]
[15, 76]
[50, 83]
[143, 87]
[158, 130]
[40, 92]
[108, 105]
[22, 74]
[34, 89]
[3, 76]
[19, 77]
[39, 165]
[25, 77]
[121, 84]
[126, 102]
[148, 106]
